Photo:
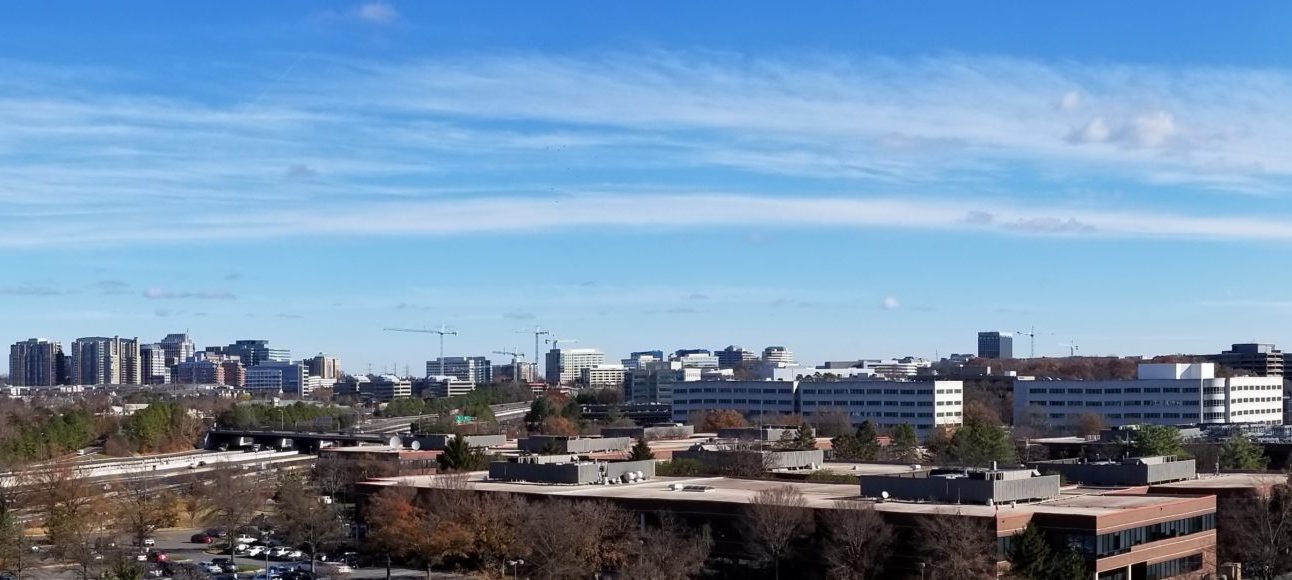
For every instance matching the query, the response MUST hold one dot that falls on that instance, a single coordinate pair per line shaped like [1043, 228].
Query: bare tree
[139, 509]
[576, 539]
[231, 499]
[858, 542]
[13, 497]
[305, 518]
[775, 518]
[72, 510]
[669, 551]
[957, 547]
[1257, 531]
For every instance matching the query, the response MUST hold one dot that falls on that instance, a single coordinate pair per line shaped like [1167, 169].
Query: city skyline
[635, 178]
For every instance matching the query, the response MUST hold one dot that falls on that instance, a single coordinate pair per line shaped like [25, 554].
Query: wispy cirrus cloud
[878, 139]
[156, 293]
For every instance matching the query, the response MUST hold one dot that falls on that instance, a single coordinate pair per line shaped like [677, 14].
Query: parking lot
[179, 550]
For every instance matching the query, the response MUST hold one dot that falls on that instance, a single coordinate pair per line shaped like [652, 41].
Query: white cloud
[1154, 129]
[1096, 131]
[890, 303]
[164, 294]
[377, 13]
[1071, 101]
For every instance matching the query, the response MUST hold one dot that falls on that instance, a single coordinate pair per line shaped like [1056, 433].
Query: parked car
[335, 567]
[215, 533]
[159, 556]
[141, 557]
[294, 555]
[202, 539]
[211, 567]
[255, 551]
[279, 552]
[244, 539]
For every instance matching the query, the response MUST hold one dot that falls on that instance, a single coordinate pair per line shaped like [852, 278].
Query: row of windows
[1186, 416]
[868, 403]
[1121, 542]
[869, 391]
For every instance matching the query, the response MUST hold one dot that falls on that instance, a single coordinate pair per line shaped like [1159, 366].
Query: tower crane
[515, 363]
[442, 331]
[1072, 348]
[1031, 335]
[537, 332]
[556, 342]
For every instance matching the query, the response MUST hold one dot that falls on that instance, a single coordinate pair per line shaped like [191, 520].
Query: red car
[201, 539]
[159, 556]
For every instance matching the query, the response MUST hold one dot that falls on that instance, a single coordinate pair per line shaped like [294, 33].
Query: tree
[397, 526]
[861, 446]
[1068, 564]
[832, 423]
[859, 541]
[1089, 424]
[641, 451]
[304, 518]
[72, 511]
[139, 509]
[1240, 453]
[804, 438]
[957, 546]
[1030, 556]
[230, 499]
[905, 443]
[593, 536]
[559, 426]
[979, 442]
[721, 419]
[669, 551]
[775, 518]
[13, 496]
[458, 455]
[1256, 530]
[1151, 440]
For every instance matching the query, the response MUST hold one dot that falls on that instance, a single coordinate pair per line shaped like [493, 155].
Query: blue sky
[850, 180]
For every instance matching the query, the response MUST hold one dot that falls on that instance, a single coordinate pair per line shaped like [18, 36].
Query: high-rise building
[779, 356]
[1262, 360]
[234, 373]
[152, 364]
[105, 361]
[733, 356]
[36, 362]
[477, 370]
[276, 377]
[506, 374]
[198, 371]
[327, 368]
[565, 365]
[254, 353]
[995, 345]
[178, 348]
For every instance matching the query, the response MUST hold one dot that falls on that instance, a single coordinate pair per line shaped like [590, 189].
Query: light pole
[514, 564]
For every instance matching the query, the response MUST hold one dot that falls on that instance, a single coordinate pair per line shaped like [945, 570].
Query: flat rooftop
[862, 468]
[817, 495]
[1227, 481]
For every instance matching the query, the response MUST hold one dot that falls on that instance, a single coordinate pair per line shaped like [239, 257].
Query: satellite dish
[416, 445]
[394, 441]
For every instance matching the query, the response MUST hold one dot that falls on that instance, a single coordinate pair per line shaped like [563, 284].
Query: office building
[507, 373]
[1262, 360]
[254, 353]
[995, 345]
[327, 368]
[1163, 394]
[778, 356]
[386, 388]
[695, 359]
[276, 377]
[105, 361]
[734, 356]
[477, 370]
[565, 365]
[37, 362]
[233, 372]
[152, 362]
[198, 371]
[642, 360]
[601, 376]
[178, 348]
[441, 387]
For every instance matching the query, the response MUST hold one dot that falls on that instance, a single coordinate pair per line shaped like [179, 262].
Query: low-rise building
[560, 444]
[1131, 471]
[601, 376]
[1163, 394]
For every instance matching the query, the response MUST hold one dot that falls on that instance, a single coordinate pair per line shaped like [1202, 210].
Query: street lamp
[514, 564]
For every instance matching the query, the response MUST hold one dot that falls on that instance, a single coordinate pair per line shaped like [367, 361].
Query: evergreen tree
[641, 451]
[1030, 555]
[1151, 440]
[980, 442]
[459, 456]
[1067, 565]
[847, 447]
[805, 438]
[867, 441]
[905, 443]
[1238, 452]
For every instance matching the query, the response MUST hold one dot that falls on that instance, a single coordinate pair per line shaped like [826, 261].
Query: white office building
[924, 405]
[565, 365]
[603, 376]
[1162, 394]
[441, 387]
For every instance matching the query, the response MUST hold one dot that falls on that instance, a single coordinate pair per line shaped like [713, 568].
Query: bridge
[377, 431]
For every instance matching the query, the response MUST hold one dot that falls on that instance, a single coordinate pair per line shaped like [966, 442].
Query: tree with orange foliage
[723, 419]
[559, 426]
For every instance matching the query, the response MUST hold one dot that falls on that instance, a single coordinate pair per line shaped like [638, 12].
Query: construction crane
[515, 363]
[556, 342]
[1031, 334]
[442, 331]
[1072, 348]
[537, 332]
